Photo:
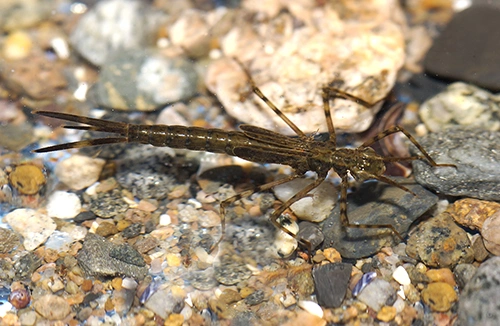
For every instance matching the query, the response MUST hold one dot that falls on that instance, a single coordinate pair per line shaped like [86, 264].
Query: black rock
[330, 282]
[468, 49]
[310, 232]
[376, 203]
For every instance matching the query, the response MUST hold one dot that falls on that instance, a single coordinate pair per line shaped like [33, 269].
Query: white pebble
[311, 307]
[33, 226]
[165, 219]
[5, 307]
[284, 243]
[63, 205]
[401, 276]
[313, 209]
[129, 283]
[78, 171]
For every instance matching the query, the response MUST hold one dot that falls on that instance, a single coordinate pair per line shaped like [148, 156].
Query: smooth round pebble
[33, 226]
[78, 171]
[491, 234]
[63, 205]
[439, 296]
[52, 307]
[401, 276]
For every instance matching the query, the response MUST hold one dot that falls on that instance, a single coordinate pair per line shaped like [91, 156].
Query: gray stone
[376, 294]
[330, 282]
[96, 260]
[376, 204]
[479, 301]
[476, 155]
[463, 273]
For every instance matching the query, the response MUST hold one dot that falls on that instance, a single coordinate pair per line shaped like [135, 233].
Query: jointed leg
[301, 194]
[395, 129]
[328, 116]
[243, 194]
[270, 104]
[343, 207]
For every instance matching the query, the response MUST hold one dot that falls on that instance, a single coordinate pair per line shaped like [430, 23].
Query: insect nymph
[303, 153]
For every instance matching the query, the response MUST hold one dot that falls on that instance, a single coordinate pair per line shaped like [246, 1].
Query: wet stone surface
[107, 204]
[476, 155]
[467, 49]
[231, 270]
[439, 242]
[376, 203]
[96, 258]
[330, 283]
[478, 303]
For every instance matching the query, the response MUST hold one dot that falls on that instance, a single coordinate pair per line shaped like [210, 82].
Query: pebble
[79, 172]
[311, 307]
[115, 26]
[491, 233]
[311, 233]
[401, 276]
[466, 49]
[314, 209]
[479, 299]
[28, 179]
[439, 296]
[96, 258]
[164, 302]
[376, 294]
[15, 137]
[16, 15]
[32, 225]
[63, 205]
[108, 204]
[8, 240]
[439, 242]
[472, 213]
[441, 275]
[376, 203]
[363, 281]
[330, 283]
[52, 307]
[480, 251]
[476, 153]
[462, 106]
[386, 314]
[17, 45]
[463, 274]
[159, 80]
[26, 265]
[284, 243]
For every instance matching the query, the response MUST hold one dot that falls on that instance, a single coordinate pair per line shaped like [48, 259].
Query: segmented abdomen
[193, 138]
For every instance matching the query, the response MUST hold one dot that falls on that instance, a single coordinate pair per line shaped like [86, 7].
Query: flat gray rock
[376, 203]
[477, 157]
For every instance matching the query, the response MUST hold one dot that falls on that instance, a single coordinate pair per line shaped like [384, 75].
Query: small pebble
[386, 314]
[63, 205]
[491, 233]
[79, 172]
[311, 307]
[52, 307]
[33, 226]
[376, 294]
[27, 179]
[401, 276]
[441, 275]
[17, 46]
[439, 296]
[472, 213]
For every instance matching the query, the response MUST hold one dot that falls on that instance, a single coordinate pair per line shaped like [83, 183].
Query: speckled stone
[108, 204]
[8, 240]
[439, 242]
[376, 203]
[52, 307]
[479, 299]
[439, 296]
[32, 225]
[471, 212]
[491, 233]
[95, 258]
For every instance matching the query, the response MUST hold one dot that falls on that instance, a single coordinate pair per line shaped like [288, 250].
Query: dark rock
[331, 283]
[463, 273]
[255, 298]
[26, 265]
[468, 48]
[479, 300]
[439, 242]
[376, 203]
[476, 155]
[96, 260]
[132, 230]
[84, 216]
[126, 253]
[310, 232]
[108, 204]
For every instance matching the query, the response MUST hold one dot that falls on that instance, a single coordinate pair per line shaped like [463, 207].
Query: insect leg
[395, 129]
[328, 116]
[301, 194]
[270, 104]
[343, 206]
[243, 194]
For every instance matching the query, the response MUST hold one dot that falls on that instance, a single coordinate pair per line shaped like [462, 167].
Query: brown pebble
[106, 229]
[491, 233]
[122, 225]
[147, 205]
[52, 307]
[441, 275]
[28, 179]
[116, 283]
[109, 305]
[472, 213]
[480, 251]
[439, 296]
[229, 296]
[246, 291]
[174, 320]
[332, 255]
[386, 314]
